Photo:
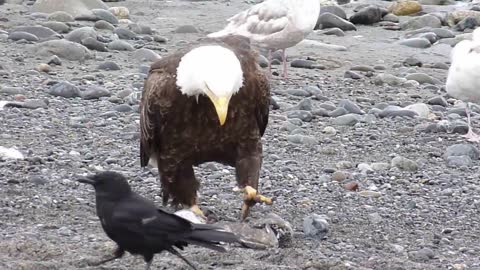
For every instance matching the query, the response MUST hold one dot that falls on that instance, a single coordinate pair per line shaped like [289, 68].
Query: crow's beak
[86, 180]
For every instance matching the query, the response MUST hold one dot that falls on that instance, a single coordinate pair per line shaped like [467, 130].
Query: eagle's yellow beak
[221, 106]
[220, 103]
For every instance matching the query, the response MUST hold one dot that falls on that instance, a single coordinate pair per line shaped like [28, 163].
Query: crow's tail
[211, 237]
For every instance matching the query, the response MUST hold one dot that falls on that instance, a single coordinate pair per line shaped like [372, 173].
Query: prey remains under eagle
[206, 103]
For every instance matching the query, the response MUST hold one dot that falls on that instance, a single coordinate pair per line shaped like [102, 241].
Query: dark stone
[368, 15]
[467, 23]
[94, 44]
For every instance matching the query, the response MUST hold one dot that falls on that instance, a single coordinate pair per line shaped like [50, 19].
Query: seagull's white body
[274, 24]
[463, 81]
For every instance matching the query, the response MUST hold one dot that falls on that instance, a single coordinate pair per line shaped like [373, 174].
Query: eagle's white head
[214, 71]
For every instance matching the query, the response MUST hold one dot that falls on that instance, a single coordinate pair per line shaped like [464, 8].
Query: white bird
[463, 81]
[274, 24]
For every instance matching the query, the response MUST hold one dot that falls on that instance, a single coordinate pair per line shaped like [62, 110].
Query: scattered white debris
[2, 104]
[10, 153]
[189, 215]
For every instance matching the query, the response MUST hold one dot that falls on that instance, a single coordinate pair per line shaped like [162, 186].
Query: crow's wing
[138, 216]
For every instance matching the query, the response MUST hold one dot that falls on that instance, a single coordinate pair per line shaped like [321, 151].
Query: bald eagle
[209, 102]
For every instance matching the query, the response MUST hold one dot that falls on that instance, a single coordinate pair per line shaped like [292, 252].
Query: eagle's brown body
[179, 132]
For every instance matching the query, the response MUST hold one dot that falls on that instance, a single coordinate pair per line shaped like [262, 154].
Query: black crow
[137, 226]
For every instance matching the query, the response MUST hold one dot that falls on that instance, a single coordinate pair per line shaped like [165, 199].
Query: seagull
[463, 81]
[274, 24]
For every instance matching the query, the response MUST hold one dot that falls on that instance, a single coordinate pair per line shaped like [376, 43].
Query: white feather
[189, 215]
[215, 66]
[463, 81]
[10, 153]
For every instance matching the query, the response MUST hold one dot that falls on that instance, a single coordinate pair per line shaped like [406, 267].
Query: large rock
[421, 22]
[62, 48]
[368, 15]
[38, 31]
[456, 16]
[58, 27]
[405, 7]
[60, 16]
[82, 33]
[329, 20]
[467, 23]
[437, 2]
[74, 7]
[105, 15]
[419, 42]
[336, 10]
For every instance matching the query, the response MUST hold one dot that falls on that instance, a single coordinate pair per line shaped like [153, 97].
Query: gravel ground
[393, 196]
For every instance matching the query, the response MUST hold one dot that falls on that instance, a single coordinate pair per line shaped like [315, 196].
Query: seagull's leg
[284, 57]
[470, 136]
[269, 59]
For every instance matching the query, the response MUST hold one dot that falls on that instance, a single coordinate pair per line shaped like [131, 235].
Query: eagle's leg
[247, 170]
[184, 189]
[250, 198]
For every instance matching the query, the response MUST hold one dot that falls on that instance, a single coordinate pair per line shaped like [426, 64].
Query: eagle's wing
[263, 106]
[157, 99]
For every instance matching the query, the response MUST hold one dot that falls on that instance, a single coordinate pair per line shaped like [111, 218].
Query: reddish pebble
[20, 97]
[352, 186]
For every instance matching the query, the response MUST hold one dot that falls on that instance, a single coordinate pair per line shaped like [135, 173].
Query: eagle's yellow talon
[251, 194]
[263, 199]
[251, 197]
[195, 209]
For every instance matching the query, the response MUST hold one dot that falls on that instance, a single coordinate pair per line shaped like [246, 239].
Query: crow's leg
[248, 165]
[176, 253]
[147, 266]
[148, 259]
[118, 253]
